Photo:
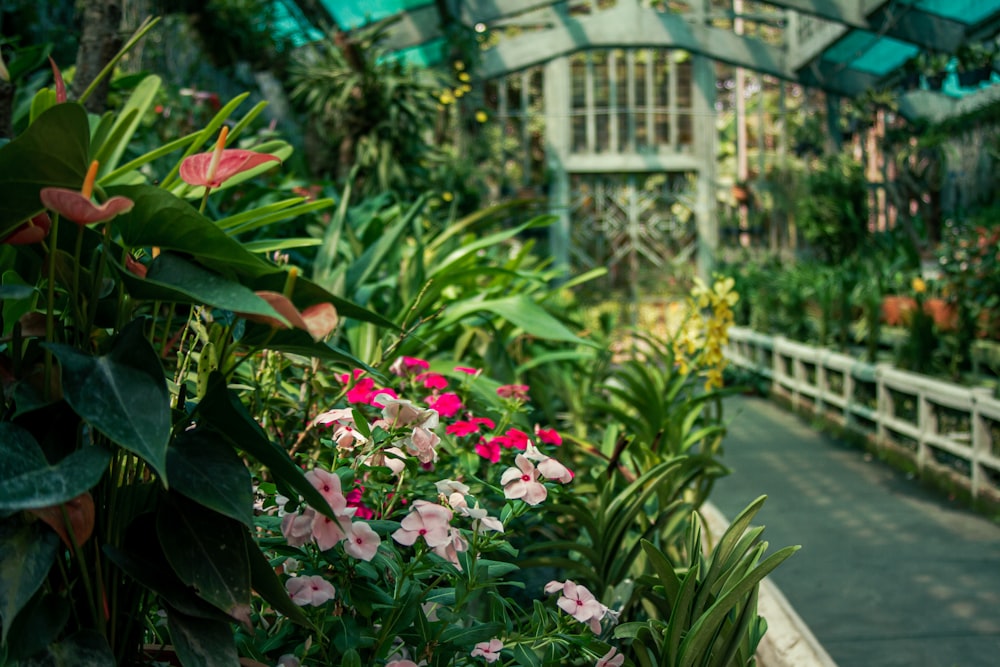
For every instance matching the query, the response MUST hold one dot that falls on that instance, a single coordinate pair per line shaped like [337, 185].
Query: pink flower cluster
[580, 603]
[360, 541]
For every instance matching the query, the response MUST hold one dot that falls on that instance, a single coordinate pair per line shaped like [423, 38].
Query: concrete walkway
[889, 574]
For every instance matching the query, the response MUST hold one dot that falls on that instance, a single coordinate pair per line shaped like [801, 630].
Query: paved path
[889, 574]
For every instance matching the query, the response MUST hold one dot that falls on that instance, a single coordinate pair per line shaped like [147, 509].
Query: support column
[557, 147]
[705, 209]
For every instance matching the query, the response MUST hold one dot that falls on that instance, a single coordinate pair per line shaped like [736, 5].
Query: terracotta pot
[896, 310]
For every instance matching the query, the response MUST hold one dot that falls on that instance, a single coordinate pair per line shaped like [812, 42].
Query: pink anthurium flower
[59, 83]
[215, 167]
[78, 207]
[32, 231]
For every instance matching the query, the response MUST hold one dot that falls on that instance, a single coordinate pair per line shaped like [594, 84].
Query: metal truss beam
[629, 26]
[901, 21]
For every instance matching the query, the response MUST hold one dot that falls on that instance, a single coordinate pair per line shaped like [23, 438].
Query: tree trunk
[99, 42]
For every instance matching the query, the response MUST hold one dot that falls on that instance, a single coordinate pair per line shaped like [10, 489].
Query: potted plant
[975, 64]
[934, 68]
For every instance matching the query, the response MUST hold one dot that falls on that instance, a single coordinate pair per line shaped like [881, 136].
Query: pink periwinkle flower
[611, 659]
[515, 391]
[311, 590]
[488, 651]
[390, 457]
[581, 604]
[401, 412]
[401, 663]
[447, 404]
[427, 520]
[481, 521]
[548, 467]
[450, 549]
[297, 528]
[362, 541]
[423, 443]
[335, 417]
[521, 482]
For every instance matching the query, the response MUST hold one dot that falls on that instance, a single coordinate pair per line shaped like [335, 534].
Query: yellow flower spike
[293, 274]
[220, 144]
[464, 77]
[919, 286]
[88, 183]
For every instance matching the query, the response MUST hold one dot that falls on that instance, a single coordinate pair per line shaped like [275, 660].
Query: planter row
[944, 430]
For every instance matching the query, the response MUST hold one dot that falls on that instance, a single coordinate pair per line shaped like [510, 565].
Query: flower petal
[74, 206]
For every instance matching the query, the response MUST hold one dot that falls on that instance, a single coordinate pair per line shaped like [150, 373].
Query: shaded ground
[889, 574]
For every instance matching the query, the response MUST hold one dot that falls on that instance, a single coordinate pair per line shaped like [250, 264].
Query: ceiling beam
[837, 78]
[629, 26]
[900, 21]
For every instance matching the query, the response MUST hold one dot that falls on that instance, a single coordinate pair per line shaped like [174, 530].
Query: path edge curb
[788, 641]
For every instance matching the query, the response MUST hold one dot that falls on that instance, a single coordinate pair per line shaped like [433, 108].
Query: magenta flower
[427, 520]
[522, 482]
[548, 435]
[516, 438]
[489, 450]
[447, 405]
[404, 366]
[213, 168]
[78, 207]
[467, 370]
[312, 590]
[362, 542]
[488, 651]
[432, 380]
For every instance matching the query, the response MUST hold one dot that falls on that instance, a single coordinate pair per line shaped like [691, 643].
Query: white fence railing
[942, 428]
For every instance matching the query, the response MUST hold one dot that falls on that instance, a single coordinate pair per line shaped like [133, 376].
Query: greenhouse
[439, 333]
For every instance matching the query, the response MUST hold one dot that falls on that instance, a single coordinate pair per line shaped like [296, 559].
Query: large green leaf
[207, 551]
[171, 278]
[27, 552]
[45, 485]
[52, 152]
[267, 585]
[38, 625]
[127, 123]
[306, 293]
[201, 643]
[222, 411]
[203, 466]
[518, 310]
[122, 394]
[86, 648]
[163, 220]
[297, 341]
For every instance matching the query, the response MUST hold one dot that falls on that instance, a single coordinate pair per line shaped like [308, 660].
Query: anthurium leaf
[518, 310]
[222, 410]
[267, 585]
[142, 558]
[123, 394]
[86, 648]
[306, 293]
[297, 341]
[163, 220]
[171, 278]
[27, 551]
[52, 152]
[201, 643]
[207, 551]
[38, 624]
[49, 485]
[205, 468]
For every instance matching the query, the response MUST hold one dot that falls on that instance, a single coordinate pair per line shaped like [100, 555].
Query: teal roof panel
[868, 52]
[969, 12]
[355, 14]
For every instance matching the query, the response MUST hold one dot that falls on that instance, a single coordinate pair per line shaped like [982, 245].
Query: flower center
[88, 182]
[525, 478]
[220, 144]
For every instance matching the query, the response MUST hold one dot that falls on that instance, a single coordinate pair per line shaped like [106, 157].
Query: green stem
[95, 295]
[95, 605]
[50, 307]
[204, 199]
